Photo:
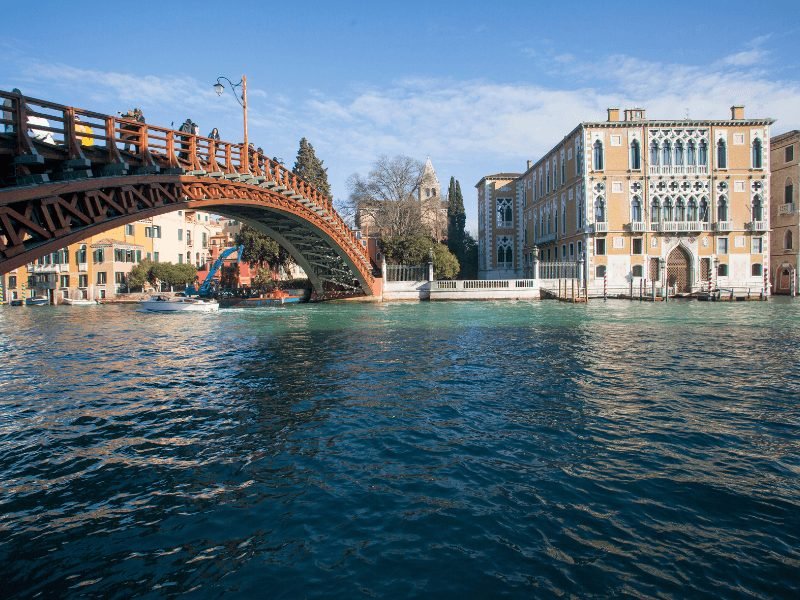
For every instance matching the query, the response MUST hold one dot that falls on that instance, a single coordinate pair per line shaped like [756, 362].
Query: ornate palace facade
[634, 197]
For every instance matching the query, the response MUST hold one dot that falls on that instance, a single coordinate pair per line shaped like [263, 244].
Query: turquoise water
[449, 449]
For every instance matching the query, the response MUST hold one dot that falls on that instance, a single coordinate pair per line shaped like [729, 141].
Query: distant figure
[214, 135]
[136, 118]
[187, 127]
[83, 128]
[195, 128]
[40, 134]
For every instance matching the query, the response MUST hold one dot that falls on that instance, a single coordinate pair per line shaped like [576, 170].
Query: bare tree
[386, 200]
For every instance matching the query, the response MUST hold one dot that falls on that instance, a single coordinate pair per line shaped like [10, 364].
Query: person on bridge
[132, 139]
[188, 128]
[214, 135]
[83, 131]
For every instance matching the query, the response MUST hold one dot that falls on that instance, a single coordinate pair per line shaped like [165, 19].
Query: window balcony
[45, 268]
[682, 226]
[83, 267]
[597, 228]
[638, 227]
[678, 169]
[758, 226]
[786, 209]
[723, 226]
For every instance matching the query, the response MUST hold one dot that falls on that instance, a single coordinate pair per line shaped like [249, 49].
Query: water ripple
[524, 449]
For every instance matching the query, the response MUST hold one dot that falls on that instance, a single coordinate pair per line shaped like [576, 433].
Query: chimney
[530, 164]
[613, 115]
[634, 114]
[737, 113]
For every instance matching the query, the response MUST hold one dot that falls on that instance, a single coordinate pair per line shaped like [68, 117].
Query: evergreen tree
[456, 221]
[310, 168]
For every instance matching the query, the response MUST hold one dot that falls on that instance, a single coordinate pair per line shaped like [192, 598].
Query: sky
[479, 88]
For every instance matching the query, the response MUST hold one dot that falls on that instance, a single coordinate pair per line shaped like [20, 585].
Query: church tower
[433, 207]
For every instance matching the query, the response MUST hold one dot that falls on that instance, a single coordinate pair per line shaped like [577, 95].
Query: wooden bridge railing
[42, 130]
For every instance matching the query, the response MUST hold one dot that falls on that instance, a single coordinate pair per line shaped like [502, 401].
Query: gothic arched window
[704, 210]
[600, 210]
[668, 210]
[788, 191]
[597, 155]
[666, 154]
[702, 153]
[757, 160]
[678, 153]
[691, 154]
[636, 210]
[691, 210]
[654, 153]
[680, 210]
[722, 154]
[636, 155]
[787, 240]
[722, 209]
[758, 208]
[655, 210]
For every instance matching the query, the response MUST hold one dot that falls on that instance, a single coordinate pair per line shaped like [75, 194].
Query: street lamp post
[219, 87]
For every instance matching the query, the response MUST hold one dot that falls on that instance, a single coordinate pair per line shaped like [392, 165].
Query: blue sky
[478, 87]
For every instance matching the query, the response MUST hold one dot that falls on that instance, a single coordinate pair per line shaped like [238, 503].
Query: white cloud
[468, 128]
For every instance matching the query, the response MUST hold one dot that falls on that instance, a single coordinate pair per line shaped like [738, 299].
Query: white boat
[37, 301]
[79, 302]
[179, 304]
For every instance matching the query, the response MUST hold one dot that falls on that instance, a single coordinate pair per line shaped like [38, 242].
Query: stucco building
[681, 202]
[784, 215]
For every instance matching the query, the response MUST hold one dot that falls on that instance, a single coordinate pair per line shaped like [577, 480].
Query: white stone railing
[682, 226]
[545, 237]
[678, 169]
[483, 284]
[637, 226]
[723, 225]
[598, 228]
[786, 209]
[758, 226]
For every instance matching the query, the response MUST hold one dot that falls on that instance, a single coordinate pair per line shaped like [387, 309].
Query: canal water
[434, 449]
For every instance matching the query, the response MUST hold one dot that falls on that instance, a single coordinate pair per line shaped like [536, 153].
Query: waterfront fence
[558, 270]
[406, 272]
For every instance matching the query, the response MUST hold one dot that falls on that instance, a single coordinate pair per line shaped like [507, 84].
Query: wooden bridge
[67, 174]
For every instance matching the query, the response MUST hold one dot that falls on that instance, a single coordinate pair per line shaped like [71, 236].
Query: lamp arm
[233, 87]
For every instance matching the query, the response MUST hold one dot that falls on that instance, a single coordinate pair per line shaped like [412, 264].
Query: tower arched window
[555, 217]
[597, 155]
[80, 255]
[678, 153]
[758, 209]
[636, 210]
[788, 191]
[636, 155]
[691, 154]
[722, 154]
[600, 210]
[563, 219]
[722, 209]
[680, 210]
[704, 210]
[581, 213]
[757, 154]
[654, 153]
[668, 210]
[666, 154]
[655, 210]
[702, 153]
[691, 210]
[788, 242]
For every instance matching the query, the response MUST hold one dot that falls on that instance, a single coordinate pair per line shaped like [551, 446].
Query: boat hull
[179, 305]
[78, 302]
[36, 301]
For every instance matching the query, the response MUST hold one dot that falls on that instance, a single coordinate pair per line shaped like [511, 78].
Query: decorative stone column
[535, 262]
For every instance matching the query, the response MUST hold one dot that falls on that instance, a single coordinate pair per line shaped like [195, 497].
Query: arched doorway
[784, 280]
[678, 270]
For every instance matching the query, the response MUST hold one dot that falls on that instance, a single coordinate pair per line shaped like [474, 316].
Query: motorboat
[17, 302]
[37, 301]
[179, 304]
[79, 302]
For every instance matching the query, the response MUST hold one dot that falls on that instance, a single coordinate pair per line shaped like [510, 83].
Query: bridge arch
[63, 190]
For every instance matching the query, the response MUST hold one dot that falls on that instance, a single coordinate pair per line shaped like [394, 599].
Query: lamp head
[219, 88]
